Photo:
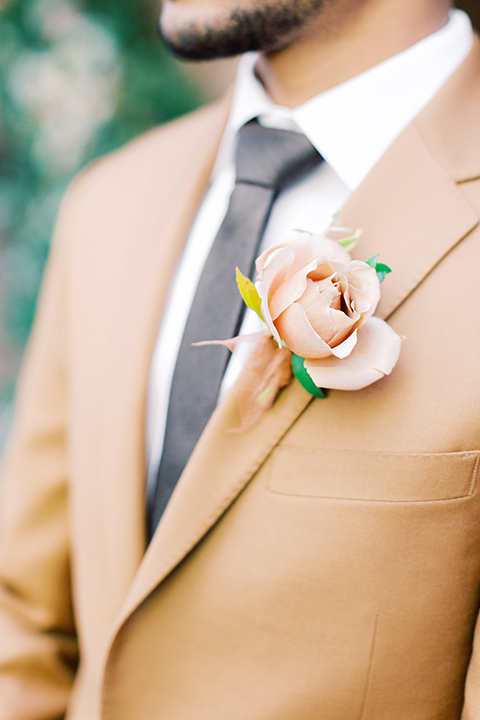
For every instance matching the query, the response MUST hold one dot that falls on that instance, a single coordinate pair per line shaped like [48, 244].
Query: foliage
[76, 81]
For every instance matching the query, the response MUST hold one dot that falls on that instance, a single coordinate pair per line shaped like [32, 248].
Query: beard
[268, 28]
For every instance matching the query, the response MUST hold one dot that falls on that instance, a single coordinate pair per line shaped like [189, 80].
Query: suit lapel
[413, 214]
[411, 206]
[157, 247]
[218, 470]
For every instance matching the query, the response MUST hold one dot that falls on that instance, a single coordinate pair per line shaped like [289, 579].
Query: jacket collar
[449, 124]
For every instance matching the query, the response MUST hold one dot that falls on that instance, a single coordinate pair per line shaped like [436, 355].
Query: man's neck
[342, 44]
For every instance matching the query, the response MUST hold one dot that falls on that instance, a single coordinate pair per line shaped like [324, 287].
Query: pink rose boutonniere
[317, 304]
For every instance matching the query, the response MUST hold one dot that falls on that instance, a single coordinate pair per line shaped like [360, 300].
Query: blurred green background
[78, 78]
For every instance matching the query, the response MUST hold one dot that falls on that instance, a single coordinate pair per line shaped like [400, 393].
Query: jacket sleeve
[471, 707]
[38, 649]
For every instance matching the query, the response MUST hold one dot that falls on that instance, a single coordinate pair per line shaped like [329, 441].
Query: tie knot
[273, 158]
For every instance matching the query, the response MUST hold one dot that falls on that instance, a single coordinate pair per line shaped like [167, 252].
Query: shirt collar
[353, 124]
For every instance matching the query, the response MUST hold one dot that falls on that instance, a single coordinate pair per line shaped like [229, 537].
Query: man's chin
[268, 26]
[192, 43]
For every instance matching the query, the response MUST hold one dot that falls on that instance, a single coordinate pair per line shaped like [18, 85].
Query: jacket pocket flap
[387, 477]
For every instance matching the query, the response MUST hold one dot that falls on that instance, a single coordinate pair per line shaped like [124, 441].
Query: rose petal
[307, 248]
[374, 356]
[298, 334]
[324, 270]
[345, 348]
[232, 343]
[364, 287]
[317, 309]
[276, 269]
[262, 261]
[343, 325]
[290, 290]
[329, 292]
[272, 275]
[326, 247]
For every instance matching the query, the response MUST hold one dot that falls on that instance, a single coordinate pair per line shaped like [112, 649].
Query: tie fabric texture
[267, 161]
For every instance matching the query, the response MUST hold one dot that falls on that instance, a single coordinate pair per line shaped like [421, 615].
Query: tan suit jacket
[324, 565]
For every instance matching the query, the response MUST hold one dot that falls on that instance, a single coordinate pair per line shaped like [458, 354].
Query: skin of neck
[349, 37]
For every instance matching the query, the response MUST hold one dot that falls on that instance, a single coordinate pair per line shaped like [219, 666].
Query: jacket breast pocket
[372, 476]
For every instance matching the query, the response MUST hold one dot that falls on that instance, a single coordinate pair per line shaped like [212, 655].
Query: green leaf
[380, 268]
[298, 367]
[372, 261]
[382, 271]
[249, 293]
[349, 242]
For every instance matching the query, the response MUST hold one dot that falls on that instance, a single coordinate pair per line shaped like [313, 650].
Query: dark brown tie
[267, 161]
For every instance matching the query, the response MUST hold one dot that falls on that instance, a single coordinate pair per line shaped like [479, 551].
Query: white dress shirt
[351, 125]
